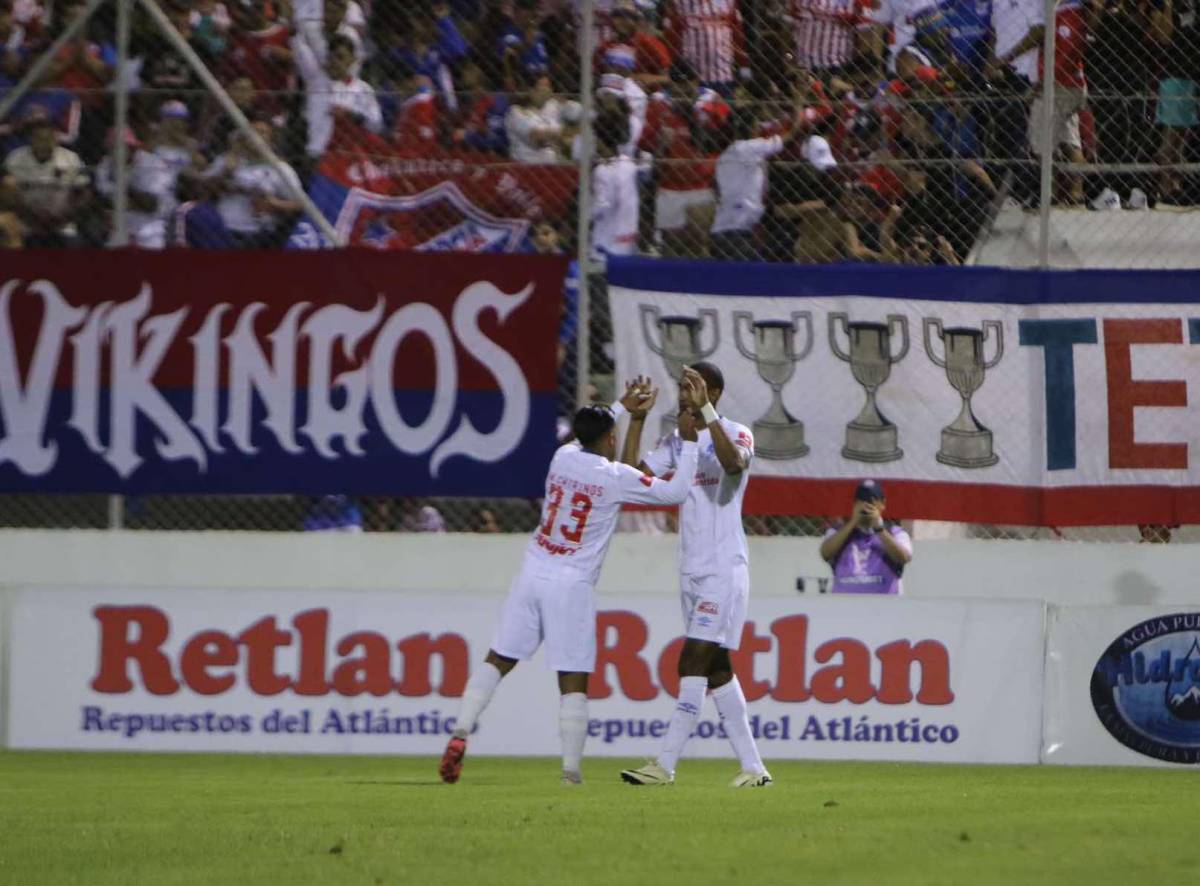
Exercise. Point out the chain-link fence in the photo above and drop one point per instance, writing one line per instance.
(770, 130)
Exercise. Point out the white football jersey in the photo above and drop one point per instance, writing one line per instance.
(584, 494)
(711, 537)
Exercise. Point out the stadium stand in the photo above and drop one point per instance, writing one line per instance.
(886, 132)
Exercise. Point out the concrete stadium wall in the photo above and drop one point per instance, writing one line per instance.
(1058, 572)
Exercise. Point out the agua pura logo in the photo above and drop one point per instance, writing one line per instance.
(1146, 688)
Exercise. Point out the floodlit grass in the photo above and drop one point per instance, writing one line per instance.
(124, 819)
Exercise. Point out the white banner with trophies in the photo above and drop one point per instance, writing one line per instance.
(987, 411)
(382, 673)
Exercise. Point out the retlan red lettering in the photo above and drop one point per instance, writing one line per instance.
(208, 649)
(211, 662)
(898, 658)
(417, 652)
(629, 633)
(369, 672)
(846, 674)
(118, 649)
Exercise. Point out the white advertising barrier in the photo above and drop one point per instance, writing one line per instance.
(1122, 686)
(374, 672)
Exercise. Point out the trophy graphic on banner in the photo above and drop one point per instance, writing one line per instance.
(678, 344)
(870, 436)
(965, 442)
(777, 434)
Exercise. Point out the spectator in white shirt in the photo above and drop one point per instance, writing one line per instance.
(334, 92)
(614, 190)
(534, 125)
(317, 22)
(175, 147)
(741, 188)
(151, 192)
(253, 197)
(616, 215)
(45, 184)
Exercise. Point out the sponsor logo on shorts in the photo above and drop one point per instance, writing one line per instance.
(704, 621)
(1146, 688)
(709, 607)
(646, 481)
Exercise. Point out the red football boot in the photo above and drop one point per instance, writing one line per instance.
(452, 760)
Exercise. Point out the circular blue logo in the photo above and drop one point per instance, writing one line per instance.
(1146, 688)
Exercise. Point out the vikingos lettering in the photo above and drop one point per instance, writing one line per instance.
(127, 343)
(212, 662)
(845, 673)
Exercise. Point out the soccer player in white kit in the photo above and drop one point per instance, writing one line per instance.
(552, 599)
(714, 576)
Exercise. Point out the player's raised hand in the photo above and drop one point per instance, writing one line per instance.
(687, 420)
(638, 398)
(695, 390)
(649, 397)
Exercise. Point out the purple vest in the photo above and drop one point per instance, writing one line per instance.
(862, 566)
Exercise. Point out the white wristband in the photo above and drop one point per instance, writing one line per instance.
(709, 414)
(617, 409)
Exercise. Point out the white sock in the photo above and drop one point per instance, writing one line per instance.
(683, 721)
(731, 705)
(572, 728)
(476, 697)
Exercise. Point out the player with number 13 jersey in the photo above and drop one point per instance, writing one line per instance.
(552, 600)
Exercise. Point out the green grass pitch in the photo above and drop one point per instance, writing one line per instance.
(122, 819)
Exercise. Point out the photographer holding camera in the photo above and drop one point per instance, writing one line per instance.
(866, 554)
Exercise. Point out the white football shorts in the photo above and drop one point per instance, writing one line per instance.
(714, 606)
(556, 610)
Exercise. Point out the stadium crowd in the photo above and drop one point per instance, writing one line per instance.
(810, 130)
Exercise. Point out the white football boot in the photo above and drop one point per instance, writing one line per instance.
(650, 774)
(751, 780)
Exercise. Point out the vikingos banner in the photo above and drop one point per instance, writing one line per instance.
(980, 395)
(381, 673)
(1123, 686)
(346, 372)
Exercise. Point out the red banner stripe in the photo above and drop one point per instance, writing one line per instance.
(982, 502)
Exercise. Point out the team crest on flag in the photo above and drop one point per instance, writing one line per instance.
(440, 219)
(378, 196)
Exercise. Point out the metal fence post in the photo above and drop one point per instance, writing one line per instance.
(1048, 142)
(116, 512)
(583, 338)
(120, 235)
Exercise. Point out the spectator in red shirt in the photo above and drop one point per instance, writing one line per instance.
(258, 49)
(710, 36)
(680, 131)
(84, 67)
(1070, 92)
(416, 130)
(651, 56)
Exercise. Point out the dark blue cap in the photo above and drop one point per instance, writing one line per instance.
(869, 490)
